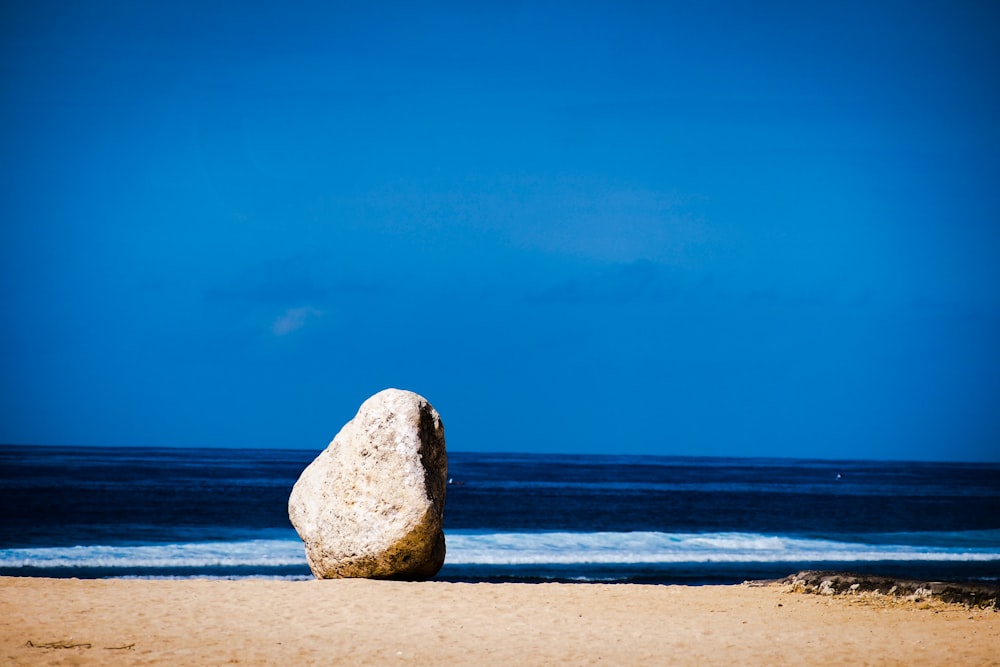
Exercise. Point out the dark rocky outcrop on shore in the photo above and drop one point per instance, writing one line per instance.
(979, 595)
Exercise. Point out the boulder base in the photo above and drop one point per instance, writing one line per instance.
(372, 503)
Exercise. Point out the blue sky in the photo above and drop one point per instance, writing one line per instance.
(750, 229)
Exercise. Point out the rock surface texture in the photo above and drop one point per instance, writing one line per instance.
(372, 503)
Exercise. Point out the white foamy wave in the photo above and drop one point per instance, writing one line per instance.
(652, 547)
(249, 553)
(217, 577)
(543, 548)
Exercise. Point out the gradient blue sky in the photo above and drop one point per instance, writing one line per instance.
(764, 229)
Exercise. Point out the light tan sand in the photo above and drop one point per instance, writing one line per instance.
(356, 622)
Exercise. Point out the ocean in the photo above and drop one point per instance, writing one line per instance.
(166, 513)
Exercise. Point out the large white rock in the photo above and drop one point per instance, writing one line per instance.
(372, 503)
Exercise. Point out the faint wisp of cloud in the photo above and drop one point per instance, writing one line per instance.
(294, 319)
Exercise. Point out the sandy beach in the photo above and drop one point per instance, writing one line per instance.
(363, 622)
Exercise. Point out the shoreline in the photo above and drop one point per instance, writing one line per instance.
(356, 621)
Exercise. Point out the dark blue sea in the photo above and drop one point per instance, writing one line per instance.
(138, 512)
